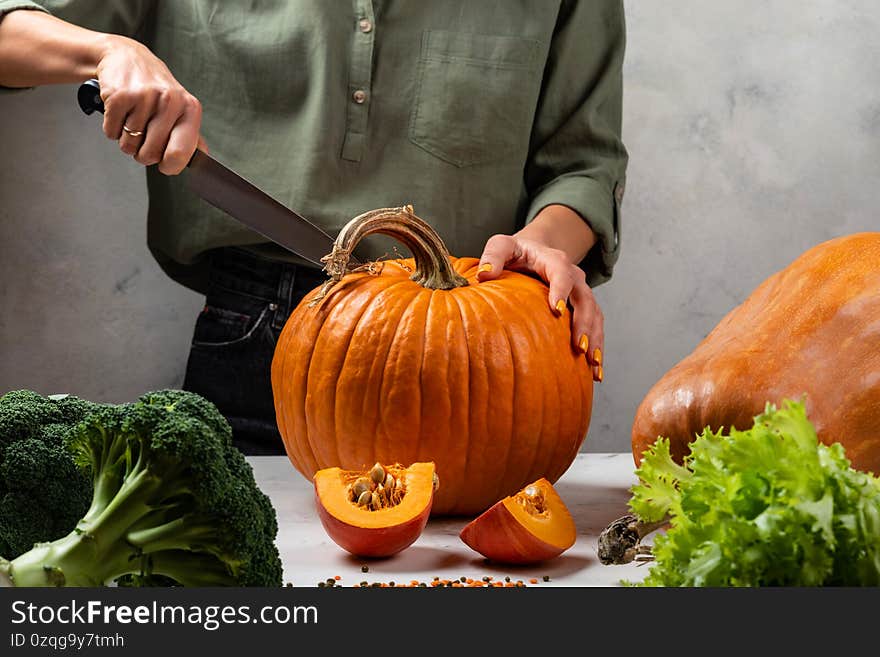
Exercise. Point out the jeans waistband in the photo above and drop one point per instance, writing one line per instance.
(280, 283)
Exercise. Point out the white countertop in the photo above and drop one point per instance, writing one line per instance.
(596, 489)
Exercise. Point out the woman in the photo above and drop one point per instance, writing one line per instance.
(500, 124)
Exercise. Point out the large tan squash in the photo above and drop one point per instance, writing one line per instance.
(412, 360)
(812, 331)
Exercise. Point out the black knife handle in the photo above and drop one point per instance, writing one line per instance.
(89, 97)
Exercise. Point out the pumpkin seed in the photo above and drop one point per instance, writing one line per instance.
(361, 485)
(389, 481)
(365, 498)
(377, 473)
(376, 500)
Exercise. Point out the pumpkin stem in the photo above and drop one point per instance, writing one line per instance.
(433, 267)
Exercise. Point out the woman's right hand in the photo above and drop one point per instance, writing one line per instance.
(150, 114)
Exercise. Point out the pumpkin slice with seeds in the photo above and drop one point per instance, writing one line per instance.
(376, 512)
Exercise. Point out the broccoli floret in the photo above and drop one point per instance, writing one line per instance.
(72, 409)
(25, 464)
(172, 499)
(16, 536)
(42, 491)
(22, 414)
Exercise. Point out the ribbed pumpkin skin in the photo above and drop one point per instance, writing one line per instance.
(482, 380)
(811, 329)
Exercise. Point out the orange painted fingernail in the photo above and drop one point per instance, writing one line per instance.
(584, 343)
(560, 306)
(486, 266)
(597, 356)
(599, 373)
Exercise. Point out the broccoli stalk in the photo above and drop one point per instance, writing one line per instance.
(171, 497)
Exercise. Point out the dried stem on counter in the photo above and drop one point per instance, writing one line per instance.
(620, 541)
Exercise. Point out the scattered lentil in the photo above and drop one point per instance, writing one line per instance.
(484, 582)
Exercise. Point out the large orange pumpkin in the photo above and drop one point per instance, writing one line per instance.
(810, 331)
(412, 360)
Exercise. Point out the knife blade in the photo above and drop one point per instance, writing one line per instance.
(239, 198)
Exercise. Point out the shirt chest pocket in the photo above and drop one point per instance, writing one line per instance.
(475, 96)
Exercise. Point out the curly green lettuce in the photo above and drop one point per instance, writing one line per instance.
(768, 506)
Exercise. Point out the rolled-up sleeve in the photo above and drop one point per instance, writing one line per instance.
(123, 17)
(113, 16)
(577, 157)
(11, 5)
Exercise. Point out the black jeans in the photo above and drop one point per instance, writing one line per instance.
(248, 301)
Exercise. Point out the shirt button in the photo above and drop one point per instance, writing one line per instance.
(359, 96)
(365, 24)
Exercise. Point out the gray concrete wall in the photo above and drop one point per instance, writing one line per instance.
(754, 133)
(83, 306)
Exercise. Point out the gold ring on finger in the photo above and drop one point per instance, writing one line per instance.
(133, 133)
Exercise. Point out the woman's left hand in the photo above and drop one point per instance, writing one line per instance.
(568, 287)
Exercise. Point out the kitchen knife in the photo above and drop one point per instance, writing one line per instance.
(224, 189)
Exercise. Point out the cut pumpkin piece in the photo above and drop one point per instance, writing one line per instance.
(376, 512)
(530, 526)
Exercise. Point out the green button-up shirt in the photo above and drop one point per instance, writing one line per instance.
(479, 114)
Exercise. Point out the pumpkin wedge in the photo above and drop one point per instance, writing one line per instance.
(531, 526)
(376, 512)
(413, 360)
(811, 332)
